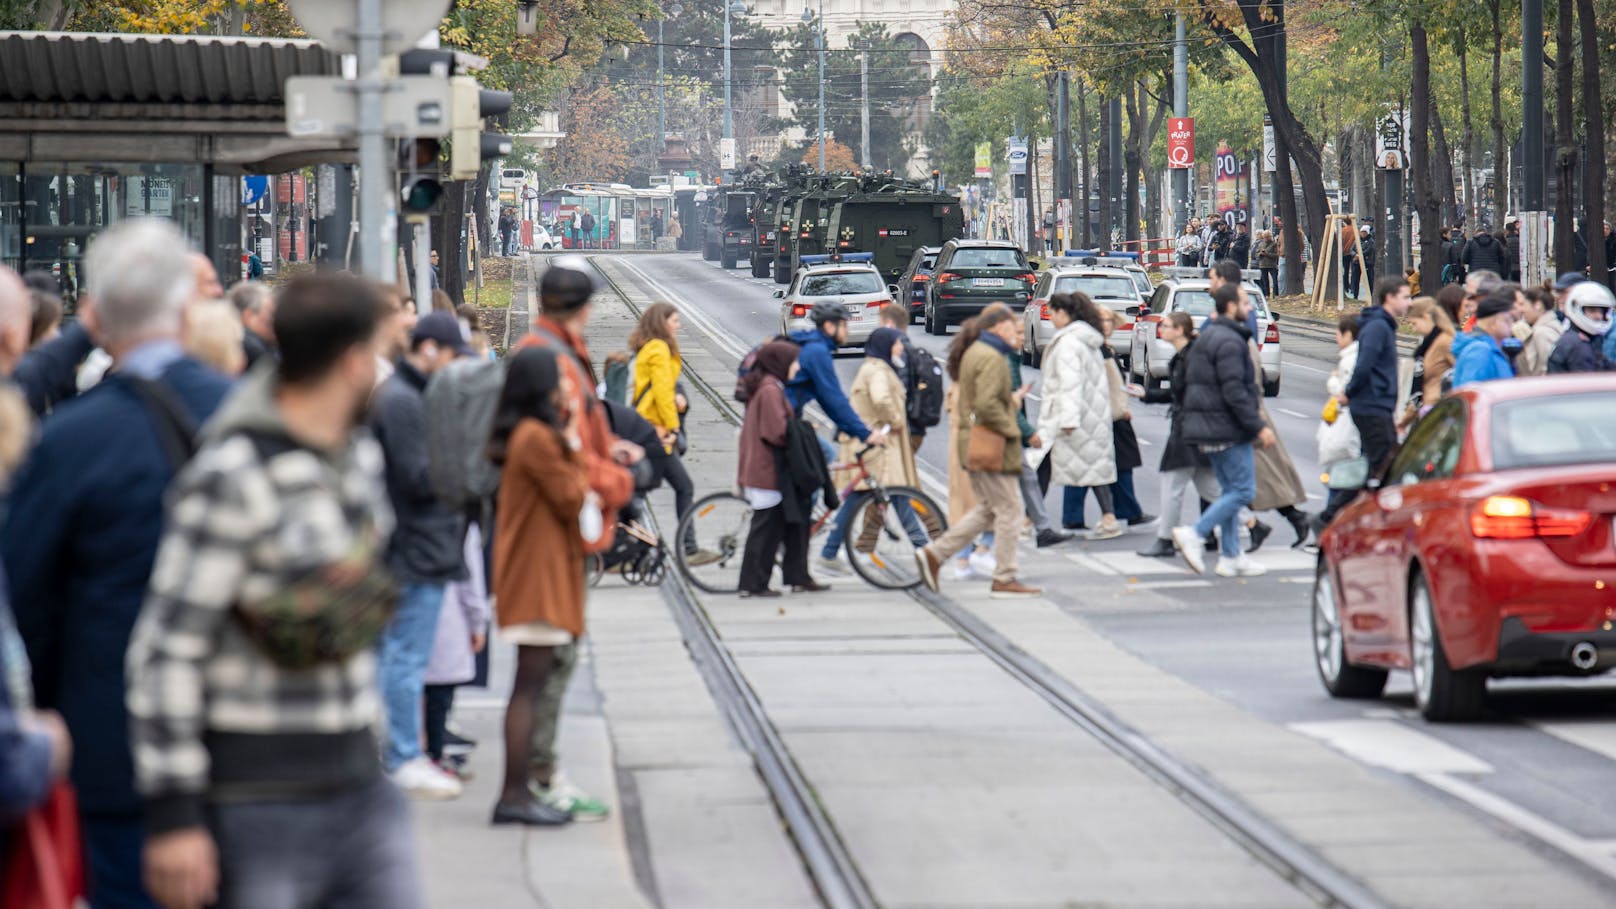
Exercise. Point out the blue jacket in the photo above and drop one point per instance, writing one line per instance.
(1478, 358)
(78, 544)
(1372, 390)
(1576, 352)
(48, 374)
(816, 381)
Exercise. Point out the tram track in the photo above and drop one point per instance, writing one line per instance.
(825, 855)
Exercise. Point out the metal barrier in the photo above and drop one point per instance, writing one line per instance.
(1154, 252)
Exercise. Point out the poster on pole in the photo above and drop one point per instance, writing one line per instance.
(984, 161)
(1270, 151)
(1018, 156)
(1181, 143)
(726, 154)
(1389, 148)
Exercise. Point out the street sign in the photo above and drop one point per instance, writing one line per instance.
(325, 107)
(1389, 148)
(334, 23)
(1018, 157)
(1270, 151)
(1181, 143)
(726, 154)
(253, 188)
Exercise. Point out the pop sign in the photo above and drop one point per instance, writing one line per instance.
(1180, 143)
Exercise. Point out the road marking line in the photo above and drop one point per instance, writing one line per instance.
(1167, 585)
(1393, 746)
(1091, 563)
(1598, 736)
(1596, 854)
(1292, 413)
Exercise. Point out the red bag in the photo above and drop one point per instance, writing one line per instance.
(46, 867)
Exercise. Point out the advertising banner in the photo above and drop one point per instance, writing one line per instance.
(1180, 143)
(984, 161)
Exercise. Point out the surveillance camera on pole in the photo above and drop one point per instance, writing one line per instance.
(470, 146)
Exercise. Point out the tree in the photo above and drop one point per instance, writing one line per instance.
(1593, 169)
(837, 156)
(896, 84)
(595, 148)
(1424, 170)
(187, 17)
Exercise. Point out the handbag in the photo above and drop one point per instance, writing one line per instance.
(46, 867)
(984, 450)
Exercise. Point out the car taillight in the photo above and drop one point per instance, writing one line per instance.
(1272, 337)
(1126, 326)
(920, 278)
(1515, 518)
(798, 310)
(876, 306)
(946, 277)
(1043, 310)
(1029, 279)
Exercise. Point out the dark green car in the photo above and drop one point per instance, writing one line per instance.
(972, 275)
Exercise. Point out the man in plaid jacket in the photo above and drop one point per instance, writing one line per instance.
(252, 735)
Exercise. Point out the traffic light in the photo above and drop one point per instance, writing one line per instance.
(419, 189)
(470, 146)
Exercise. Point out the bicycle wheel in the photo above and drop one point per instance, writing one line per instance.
(886, 530)
(716, 526)
(594, 569)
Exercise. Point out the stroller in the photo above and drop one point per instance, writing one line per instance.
(637, 552)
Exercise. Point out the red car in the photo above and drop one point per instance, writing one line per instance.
(1487, 548)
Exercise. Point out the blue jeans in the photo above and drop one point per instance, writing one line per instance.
(403, 652)
(1124, 502)
(1236, 470)
(353, 848)
(844, 517)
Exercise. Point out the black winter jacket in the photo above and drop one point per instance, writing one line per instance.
(803, 472)
(1485, 252)
(426, 547)
(1220, 399)
(1176, 455)
(1372, 387)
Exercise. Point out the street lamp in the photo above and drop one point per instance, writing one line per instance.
(819, 44)
(662, 81)
(737, 8)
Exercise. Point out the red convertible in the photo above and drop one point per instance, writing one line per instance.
(1486, 548)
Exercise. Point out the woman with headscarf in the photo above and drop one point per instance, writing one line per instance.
(544, 503)
(763, 435)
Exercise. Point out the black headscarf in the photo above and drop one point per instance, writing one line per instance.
(883, 341)
(775, 358)
(531, 379)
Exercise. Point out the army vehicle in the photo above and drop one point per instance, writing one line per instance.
(805, 222)
(775, 198)
(727, 225)
(892, 218)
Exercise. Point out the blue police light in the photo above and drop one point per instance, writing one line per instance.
(813, 260)
(1103, 255)
(827, 258)
(858, 257)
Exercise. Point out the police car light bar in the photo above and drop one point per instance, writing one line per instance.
(823, 259)
(1133, 256)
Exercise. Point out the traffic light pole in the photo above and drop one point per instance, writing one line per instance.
(1181, 108)
(421, 238)
(377, 230)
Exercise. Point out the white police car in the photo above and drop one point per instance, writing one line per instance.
(849, 280)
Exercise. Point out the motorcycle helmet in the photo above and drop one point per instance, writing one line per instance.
(1589, 305)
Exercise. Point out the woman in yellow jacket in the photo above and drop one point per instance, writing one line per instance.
(655, 342)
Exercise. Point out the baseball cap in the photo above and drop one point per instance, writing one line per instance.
(567, 283)
(1568, 280)
(442, 328)
(1495, 303)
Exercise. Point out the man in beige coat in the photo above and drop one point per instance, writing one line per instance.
(986, 400)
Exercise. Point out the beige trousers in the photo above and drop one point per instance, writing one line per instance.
(999, 506)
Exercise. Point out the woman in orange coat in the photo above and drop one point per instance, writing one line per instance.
(538, 552)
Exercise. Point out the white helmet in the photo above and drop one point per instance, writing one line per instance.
(1589, 305)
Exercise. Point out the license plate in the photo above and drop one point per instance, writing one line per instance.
(987, 282)
(857, 315)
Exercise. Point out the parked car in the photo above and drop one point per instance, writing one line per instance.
(972, 275)
(1151, 354)
(542, 238)
(1127, 261)
(849, 280)
(1111, 287)
(1486, 548)
(914, 280)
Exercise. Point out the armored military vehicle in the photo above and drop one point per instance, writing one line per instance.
(892, 218)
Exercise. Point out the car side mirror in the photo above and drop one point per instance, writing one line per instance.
(1035, 265)
(1273, 315)
(779, 295)
(1134, 312)
(893, 290)
(1350, 475)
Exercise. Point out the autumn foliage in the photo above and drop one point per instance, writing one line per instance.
(838, 157)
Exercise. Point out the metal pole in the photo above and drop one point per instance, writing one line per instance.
(1181, 108)
(1113, 177)
(729, 123)
(1532, 170)
(422, 240)
(661, 96)
(822, 42)
(864, 110)
(1063, 161)
(376, 224)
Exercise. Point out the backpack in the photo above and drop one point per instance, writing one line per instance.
(924, 408)
(460, 404)
(616, 380)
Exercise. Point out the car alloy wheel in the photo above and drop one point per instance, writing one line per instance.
(1442, 693)
(1341, 679)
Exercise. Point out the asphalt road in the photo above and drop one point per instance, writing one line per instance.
(1542, 763)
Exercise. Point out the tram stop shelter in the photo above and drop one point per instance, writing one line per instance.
(99, 127)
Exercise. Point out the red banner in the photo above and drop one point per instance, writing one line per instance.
(1180, 143)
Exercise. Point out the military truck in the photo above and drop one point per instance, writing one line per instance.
(805, 221)
(776, 196)
(892, 218)
(727, 227)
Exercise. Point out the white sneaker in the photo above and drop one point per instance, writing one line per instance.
(1240, 566)
(834, 567)
(963, 571)
(984, 564)
(1191, 547)
(422, 779)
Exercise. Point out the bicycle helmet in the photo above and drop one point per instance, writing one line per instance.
(1589, 305)
(568, 283)
(825, 311)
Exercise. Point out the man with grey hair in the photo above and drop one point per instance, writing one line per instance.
(256, 303)
(86, 514)
(1478, 284)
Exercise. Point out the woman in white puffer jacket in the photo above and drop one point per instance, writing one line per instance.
(1075, 415)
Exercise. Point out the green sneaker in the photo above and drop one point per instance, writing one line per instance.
(564, 796)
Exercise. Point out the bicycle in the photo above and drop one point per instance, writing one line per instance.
(885, 526)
